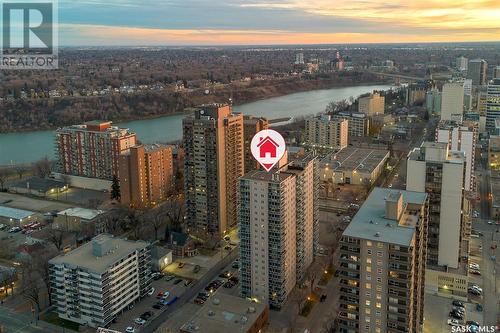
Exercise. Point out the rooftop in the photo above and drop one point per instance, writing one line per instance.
(267, 176)
(371, 223)
(359, 159)
(14, 213)
(39, 184)
(84, 256)
(224, 313)
(83, 213)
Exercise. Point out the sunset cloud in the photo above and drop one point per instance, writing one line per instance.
(204, 22)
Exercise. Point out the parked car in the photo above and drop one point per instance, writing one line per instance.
(151, 291)
(196, 269)
(165, 295)
(130, 329)
(458, 303)
(479, 307)
(199, 301)
(139, 321)
(456, 315)
(156, 275)
(475, 272)
(453, 322)
(234, 279)
(459, 309)
(322, 298)
(472, 322)
(227, 238)
(228, 285)
(188, 282)
(173, 300)
(235, 265)
(158, 306)
(2, 226)
(474, 265)
(475, 286)
(146, 315)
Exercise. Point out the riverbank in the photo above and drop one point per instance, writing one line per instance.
(39, 115)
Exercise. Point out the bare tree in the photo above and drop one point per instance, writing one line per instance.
(31, 288)
(4, 175)
(20, 170)
(56, 237)
(43, 167)
(42, 267)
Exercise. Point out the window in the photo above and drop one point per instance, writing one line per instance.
(369, 251)
(378, 305)
(368, 311)
(368, 286)
(379, 297)
(368, 302)
(379, 288)
(368, 260)
(379, 253)
(379, 270)
(367, 319)
(380, 245)
(379, 279)
(368, 243)
(368, 294)
(368, 268)
(368, 277)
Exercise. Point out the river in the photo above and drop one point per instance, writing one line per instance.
(27, 147)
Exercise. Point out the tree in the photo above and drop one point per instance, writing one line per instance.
(4, 174)
(20, 170)
(115, 189)
(56, 237)
(30, 287)
(43, 167)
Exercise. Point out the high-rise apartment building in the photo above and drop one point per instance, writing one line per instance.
(325, 132)
(452, 100)
(299, 59)
(372, 104)
(433, 101)
(477, 71)
(92, 150)
(434, 169)
(461, 137)
(146, 175)
(492, 105)
(496, 72)
(278, 229)
(213, 164)
(382, 264)
(358, 123)
(461, 64)
(95, 282)
(251, 126)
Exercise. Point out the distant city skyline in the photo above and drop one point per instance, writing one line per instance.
(261, 22)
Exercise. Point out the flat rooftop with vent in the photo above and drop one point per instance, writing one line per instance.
(388, 215)
(99, 254)
(226, 313)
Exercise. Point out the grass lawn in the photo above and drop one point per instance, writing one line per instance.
(53, 318)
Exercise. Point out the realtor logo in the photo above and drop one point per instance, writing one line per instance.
(29, 38)
(268, 147)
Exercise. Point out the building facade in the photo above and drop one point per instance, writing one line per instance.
(434, 169)
(92, 284)
(146, 175)
(433, 101)
(492, 105)
(477, 71)
(358, 123)
(92, 150)
(382, 264)
(452, 100)
(213, 163)
(251, 126)
(372, 104)
(278, 229)
(461, 64)
(325, 132)
(461, 137)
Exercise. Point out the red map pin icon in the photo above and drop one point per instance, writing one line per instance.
(268, 147)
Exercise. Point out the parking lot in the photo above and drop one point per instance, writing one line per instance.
(436, 312)
(146, 304)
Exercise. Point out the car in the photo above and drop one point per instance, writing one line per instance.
(453, 322)
(139, 321)
(130, 329)
(235, 265)
(458, 303)
(225, 275)
(475, 272)
(180, 264)
(146, 315)
(228, 285)
(158, 306)
(2, 226)
(459, 309)
(173, 300)
(472, 322)
(474, 265)
(475, 286)
(227, 238)
(165, 295)
(196, 268)
(456, 315)
(199, 301)
(188, 283)
(322, 298)
(234, 279)
(160, 294)
(177, 281)
(491, 222)
(151, 291)
(156, 275)
(479, 307)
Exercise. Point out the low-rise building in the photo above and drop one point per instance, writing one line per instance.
(74, 219)
(17, 217)
(225, 313)
(182, 245)
(37, 186)
(358, 166)
(95, 282)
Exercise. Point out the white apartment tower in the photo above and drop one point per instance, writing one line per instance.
(452, 101)
(492, 105)
(325, 132)
(461, 137)
(94, 283)
(434, 169)
(461, 64)
(278, 220)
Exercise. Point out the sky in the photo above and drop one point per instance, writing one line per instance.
(261, 22)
